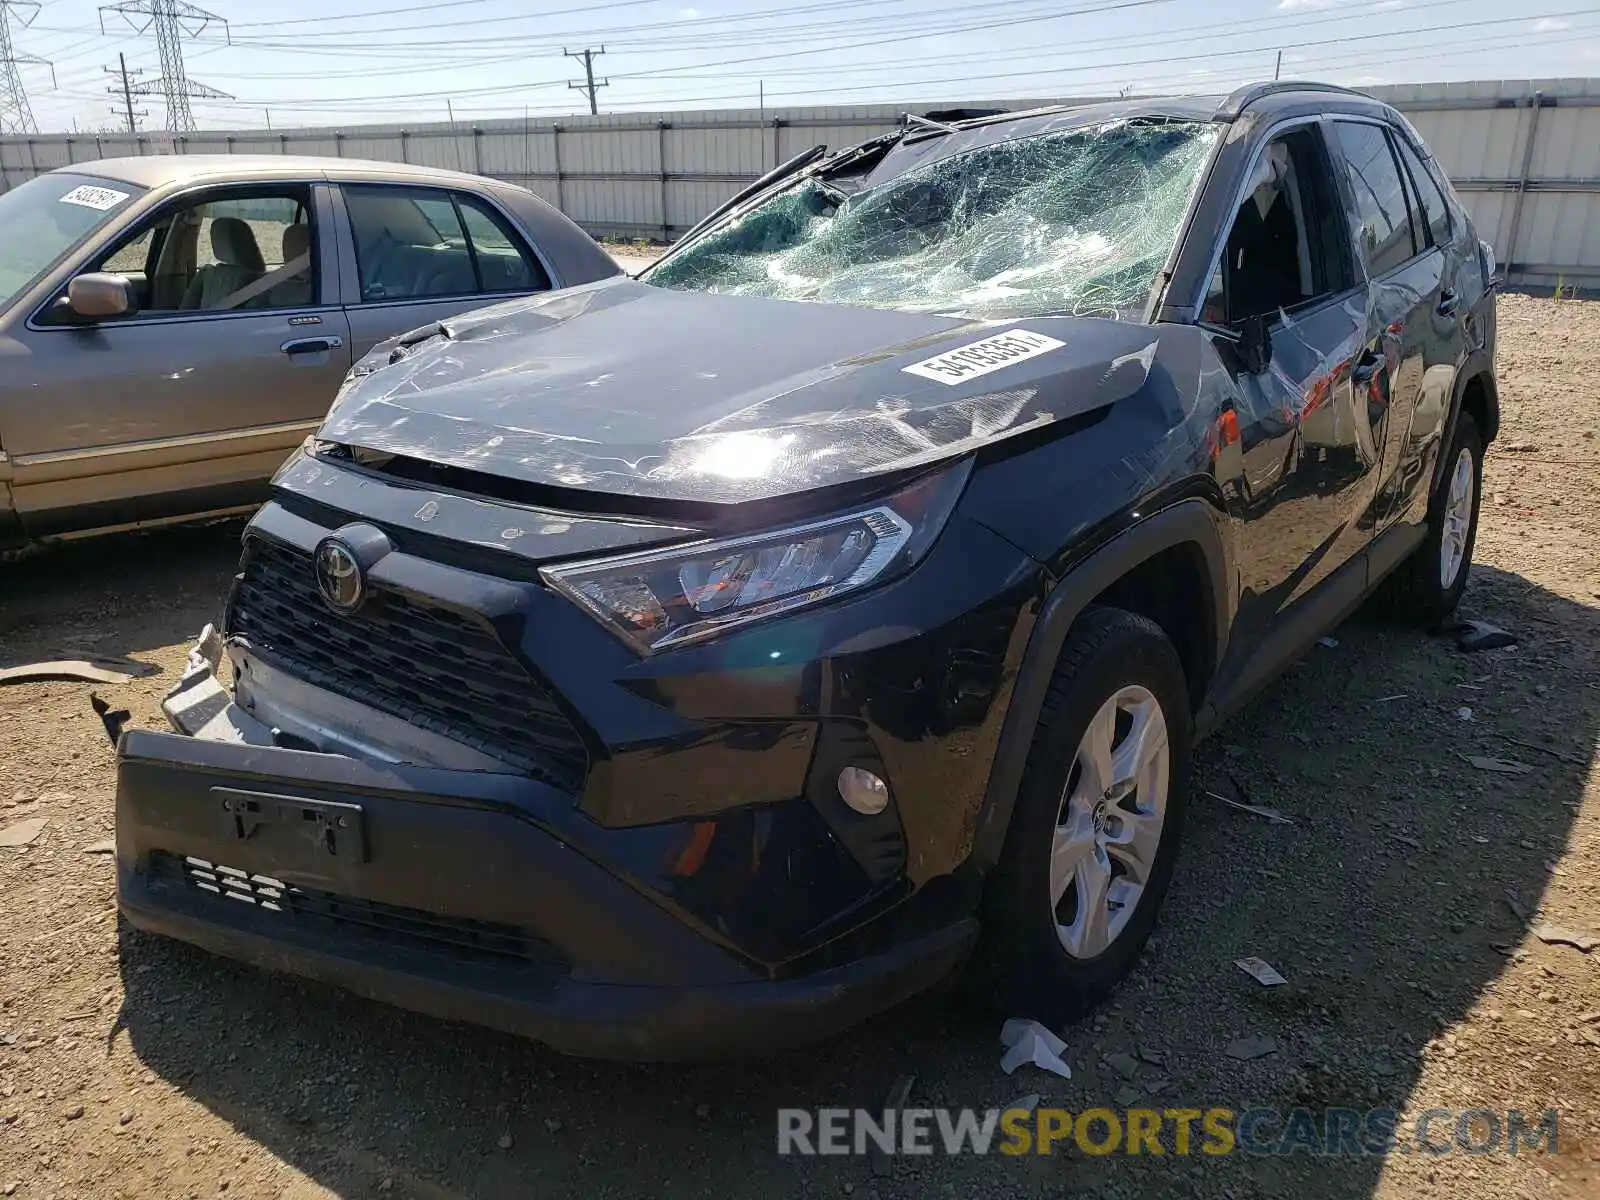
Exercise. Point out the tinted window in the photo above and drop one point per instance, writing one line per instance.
(413, 243)
(1385, 233)
(1284, 249)
(501, 260)
(1435, 212)
(234, 252)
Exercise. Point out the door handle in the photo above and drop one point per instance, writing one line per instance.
(311, 345)
(1366, 368)
(1449, 302)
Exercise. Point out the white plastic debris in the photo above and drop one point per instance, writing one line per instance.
(1260, 970)
(1328, 643)
(1030, 1042)
(1464, 713)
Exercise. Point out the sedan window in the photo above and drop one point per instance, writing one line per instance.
(1078, 221)
(48, 216)
(423, 242)
(231, 252)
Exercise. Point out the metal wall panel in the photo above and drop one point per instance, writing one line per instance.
(623, 173)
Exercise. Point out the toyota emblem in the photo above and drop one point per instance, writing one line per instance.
(339, 577)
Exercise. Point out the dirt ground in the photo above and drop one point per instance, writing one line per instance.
(1402, 903)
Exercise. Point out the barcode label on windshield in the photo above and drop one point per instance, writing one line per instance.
(980, 358)
(101, 199)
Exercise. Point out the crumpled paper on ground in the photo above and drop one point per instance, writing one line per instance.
(1030, 1042)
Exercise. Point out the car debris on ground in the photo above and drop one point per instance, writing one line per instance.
(1261, 971)
(1028, 1042)
(106, 670)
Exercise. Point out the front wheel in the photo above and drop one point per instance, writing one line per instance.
(1092, 840)
(1428, 585)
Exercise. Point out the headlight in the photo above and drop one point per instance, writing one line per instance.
(664, 598)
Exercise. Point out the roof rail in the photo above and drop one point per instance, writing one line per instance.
(1244, 97)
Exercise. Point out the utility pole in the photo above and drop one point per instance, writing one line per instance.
(1278, 70)
(590, 85)
(127, 92)
(172, 20)
(16, 116)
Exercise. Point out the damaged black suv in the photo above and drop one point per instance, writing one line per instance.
(676, 666)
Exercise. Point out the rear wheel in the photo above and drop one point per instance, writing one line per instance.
(1428, 585)
(1092, 840)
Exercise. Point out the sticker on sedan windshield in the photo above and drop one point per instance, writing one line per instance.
(980, 358)
(101, 199)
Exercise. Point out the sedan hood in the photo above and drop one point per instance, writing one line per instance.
(633, 390)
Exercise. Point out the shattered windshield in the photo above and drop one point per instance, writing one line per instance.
(1078, 221)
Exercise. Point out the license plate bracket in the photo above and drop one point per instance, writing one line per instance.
(320, 829)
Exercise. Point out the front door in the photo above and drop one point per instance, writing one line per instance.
(1289, 312)
(423, 254)
(189, 404)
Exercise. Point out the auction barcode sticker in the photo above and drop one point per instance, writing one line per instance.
(982, 357)
(102, 199)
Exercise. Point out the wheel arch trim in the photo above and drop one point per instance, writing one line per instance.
(1191, 520)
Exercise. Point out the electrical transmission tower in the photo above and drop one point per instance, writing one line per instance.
(589, 83)
(15, 114)
(172, 20)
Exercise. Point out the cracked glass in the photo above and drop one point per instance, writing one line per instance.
(1078, 221)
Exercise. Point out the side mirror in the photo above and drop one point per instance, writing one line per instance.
(98, 295)
(1255, 344)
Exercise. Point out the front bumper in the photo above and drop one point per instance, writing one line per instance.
(455, 894)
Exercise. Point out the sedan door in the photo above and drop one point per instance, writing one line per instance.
(411, 256)
(189, 404)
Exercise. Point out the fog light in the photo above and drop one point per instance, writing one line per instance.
(863, 791)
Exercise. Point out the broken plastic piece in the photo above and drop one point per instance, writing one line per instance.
(1030, 1042)
(112, 718)
(1260, 970)
(1257, 1045)
(1480, 635)
(1554, 935)
(104, 670)
(1259, 810)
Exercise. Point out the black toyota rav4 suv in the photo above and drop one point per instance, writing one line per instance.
(682, 665)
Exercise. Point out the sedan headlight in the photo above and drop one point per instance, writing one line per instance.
(664, 598)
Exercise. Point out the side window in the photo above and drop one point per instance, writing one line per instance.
(243, 251)
(1285, 248)
(502, 262)
(413, 243)
(1435, 211)
(1385, 235)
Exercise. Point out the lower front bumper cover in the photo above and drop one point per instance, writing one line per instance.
(625, 977)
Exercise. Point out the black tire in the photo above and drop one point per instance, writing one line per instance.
(1417, 590)
(1023, 967)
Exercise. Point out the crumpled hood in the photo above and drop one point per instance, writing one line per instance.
(634, 390)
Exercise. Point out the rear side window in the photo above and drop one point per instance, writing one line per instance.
(1435, 212)
(1385, 235)
(417, 243)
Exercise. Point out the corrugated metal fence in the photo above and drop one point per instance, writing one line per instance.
(1525, 156)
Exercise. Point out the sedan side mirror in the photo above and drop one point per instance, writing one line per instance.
(98, 295)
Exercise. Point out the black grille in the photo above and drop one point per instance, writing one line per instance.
(486, 942)
(432, 666)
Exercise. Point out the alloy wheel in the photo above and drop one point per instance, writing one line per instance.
(1457, 520)
(1109, 827)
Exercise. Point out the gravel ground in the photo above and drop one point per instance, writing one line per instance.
(1401, 904)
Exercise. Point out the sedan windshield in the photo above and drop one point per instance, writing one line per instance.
(46, 217)
(1077, 222)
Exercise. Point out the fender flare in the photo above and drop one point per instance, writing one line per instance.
(1476, 366)
(1190, 520)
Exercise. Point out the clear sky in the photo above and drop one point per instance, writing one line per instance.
(295, 63)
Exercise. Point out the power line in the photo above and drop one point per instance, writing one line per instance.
(127, 93)
(16, 115)
(171, 19)
(589, 85)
